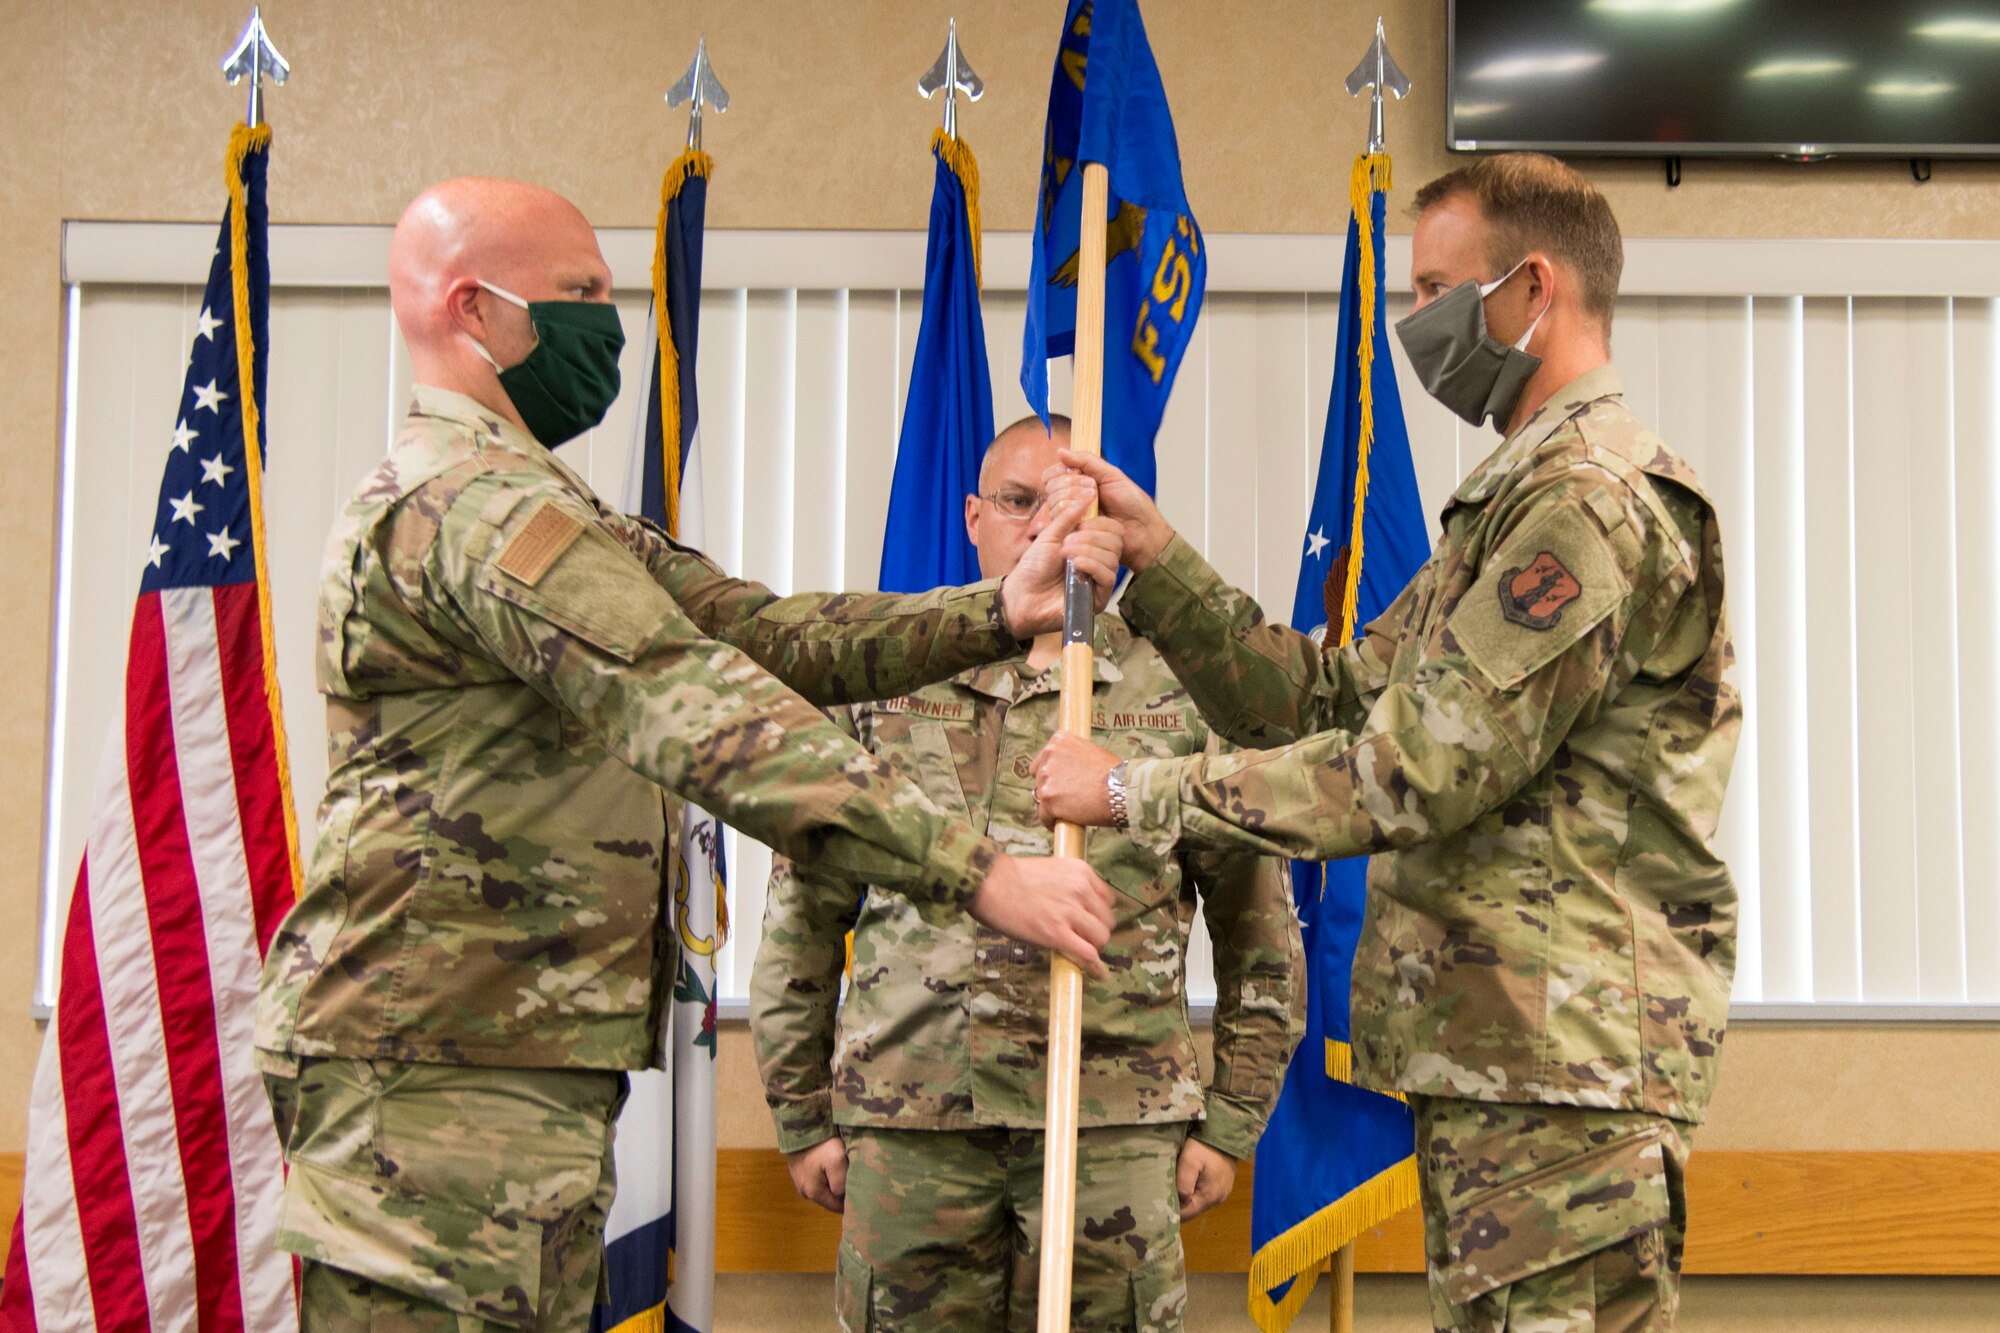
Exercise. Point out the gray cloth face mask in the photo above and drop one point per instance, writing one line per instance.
(1459, 363)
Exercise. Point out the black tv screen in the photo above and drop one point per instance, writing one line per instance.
(1674, 78)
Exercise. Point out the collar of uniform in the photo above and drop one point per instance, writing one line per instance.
(1010, 679)
(1565, 403)
(449, 405)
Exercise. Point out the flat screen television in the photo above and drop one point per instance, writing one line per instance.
(1709, 78)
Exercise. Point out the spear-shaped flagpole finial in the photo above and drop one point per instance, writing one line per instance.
(700, 89)
(254, 56)
(952, 72)
(1378, 70)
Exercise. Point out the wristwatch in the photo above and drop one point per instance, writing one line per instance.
(1114, 786)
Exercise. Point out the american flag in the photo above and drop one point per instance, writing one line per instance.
(153, 1174)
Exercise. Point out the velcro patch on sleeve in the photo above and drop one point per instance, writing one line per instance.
(1540, 593)
(531, 552)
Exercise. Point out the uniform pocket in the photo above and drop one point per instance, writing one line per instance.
(854, 1292)
(1556, 1215)
(466, 1261)
(1159, 1295)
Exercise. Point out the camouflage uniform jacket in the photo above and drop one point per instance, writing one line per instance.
(1537, 733)
(945, 1024)
(513, 674)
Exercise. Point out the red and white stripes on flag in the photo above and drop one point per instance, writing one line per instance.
(153, 1179)
(154, 1175)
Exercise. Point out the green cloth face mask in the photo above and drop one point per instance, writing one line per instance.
(567, 383)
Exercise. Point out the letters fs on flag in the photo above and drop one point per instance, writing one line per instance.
(948, 414)
(1337, 1159)
(153, 1174)
(660, 1235)
(1106, 104)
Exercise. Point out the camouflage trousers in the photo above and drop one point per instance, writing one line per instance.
(942, 1231)
(1551, 1219)
(442, 1199)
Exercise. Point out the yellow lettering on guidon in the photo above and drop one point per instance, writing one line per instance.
(1173, 283)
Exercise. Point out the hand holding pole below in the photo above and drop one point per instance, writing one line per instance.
(1056, 903)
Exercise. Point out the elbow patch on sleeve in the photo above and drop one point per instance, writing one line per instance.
(567, 571)
(1537, 596)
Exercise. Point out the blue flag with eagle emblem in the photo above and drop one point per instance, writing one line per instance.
(1106, 104)
(1336, 1159)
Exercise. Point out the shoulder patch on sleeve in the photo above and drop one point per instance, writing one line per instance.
(541, 541)
(1533, 595)
(1538, 595)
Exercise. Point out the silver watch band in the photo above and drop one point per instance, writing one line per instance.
(1114, 784)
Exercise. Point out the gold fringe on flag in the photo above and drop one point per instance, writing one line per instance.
(1371, 173)
(957, 155)
(653, 1320)
(1340, 1068)
(691, 163)
(1299, 1252)
(243, 141)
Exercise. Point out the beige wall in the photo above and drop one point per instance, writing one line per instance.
(1784, 1088)
(113, 110)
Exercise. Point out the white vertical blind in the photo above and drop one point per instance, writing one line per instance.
(1976, 492)
(1851, 444)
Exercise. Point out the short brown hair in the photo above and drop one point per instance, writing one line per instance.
(1533, 202)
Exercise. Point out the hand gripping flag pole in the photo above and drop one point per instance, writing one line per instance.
(1065, 981)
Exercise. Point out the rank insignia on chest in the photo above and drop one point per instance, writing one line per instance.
(1533, 595)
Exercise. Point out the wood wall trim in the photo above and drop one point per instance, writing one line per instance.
(1766, 1213)
(1815, 1214)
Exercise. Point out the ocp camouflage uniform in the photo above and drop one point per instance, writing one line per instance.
(936, 1077)
(1537, 733)
(513, 674)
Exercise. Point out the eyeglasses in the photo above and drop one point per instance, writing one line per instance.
(1020, 506)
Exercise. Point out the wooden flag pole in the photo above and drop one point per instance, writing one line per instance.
(1065, 981)
(1340, 1291)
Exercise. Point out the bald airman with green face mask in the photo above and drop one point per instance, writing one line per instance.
(522, 685)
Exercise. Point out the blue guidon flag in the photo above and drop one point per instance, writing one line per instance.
(1337, 1159)
(1106, 104)
(948, 415)
(659, 1251)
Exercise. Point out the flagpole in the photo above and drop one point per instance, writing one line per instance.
(1065, 982)
(1377, 73)
(255, 58)
(951, 73)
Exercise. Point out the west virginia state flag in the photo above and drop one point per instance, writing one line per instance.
(1106, 104)
(1336, 1159)
(948, 415)
(659, 1255)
